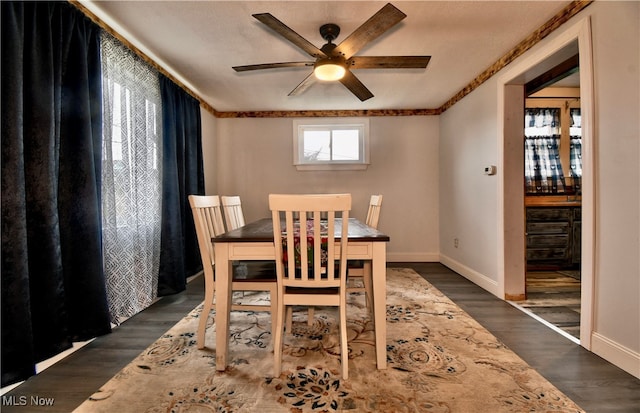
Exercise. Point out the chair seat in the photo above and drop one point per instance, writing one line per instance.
(323, 274)
(311, 290)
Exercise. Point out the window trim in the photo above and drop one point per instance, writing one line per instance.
(301, 165)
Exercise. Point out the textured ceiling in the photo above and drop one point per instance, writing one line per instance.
(199, 41)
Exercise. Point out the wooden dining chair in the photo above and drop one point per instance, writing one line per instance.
(234, 218)
(207, 216)
(232, 208)
(359, 272)
(310, 267)
(373, 213)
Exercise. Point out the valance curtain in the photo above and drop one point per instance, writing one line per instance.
(183, 174)
(53, 287)
(543, 170)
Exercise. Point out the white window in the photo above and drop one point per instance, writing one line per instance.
(331, 144)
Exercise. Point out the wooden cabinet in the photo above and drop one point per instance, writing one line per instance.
(576, 245)
(553, 236)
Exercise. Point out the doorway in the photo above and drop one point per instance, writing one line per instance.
(573, 41)
(552, 179)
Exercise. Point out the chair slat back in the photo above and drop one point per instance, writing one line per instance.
(373, 214)
(207, 216)
(309, 239)
(233, 215)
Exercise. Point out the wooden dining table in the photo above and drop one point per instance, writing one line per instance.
(254, 241)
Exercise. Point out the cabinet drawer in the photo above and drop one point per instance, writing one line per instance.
(548, 227)
(547, 241)
(541, 254)
(548, 214)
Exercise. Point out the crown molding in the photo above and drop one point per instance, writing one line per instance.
(547, 28)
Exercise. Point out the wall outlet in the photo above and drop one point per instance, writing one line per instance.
(456, 242)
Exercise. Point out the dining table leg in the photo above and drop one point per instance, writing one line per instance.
(379, 276)
(223, 287)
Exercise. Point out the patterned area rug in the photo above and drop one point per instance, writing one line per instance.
(439, 360)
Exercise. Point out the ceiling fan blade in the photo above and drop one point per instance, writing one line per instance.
(304, 85)
(383, 20)
(286, 32)
(355, 86)
(388, 62)
(271, 66)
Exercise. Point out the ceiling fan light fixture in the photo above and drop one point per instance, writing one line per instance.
(329, 70)
(336, 61)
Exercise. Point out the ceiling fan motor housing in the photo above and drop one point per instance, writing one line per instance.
(329, 31)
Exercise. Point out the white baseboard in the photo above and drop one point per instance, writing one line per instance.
(475, 277)
(626, 359)
(413, 257)
(613, 352)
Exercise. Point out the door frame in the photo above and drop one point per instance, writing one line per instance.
(511, 239)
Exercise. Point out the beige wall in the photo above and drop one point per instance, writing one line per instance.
(254, 157)
(468, 199)
(616, 48)
(209, 151)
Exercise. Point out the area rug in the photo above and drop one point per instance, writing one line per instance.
(440, 360)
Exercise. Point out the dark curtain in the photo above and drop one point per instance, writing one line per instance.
(182, 175)
(53, 290)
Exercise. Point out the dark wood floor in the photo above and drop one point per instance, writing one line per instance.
(554, 296)
(596, 385)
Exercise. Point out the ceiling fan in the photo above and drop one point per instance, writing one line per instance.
(335, 62)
